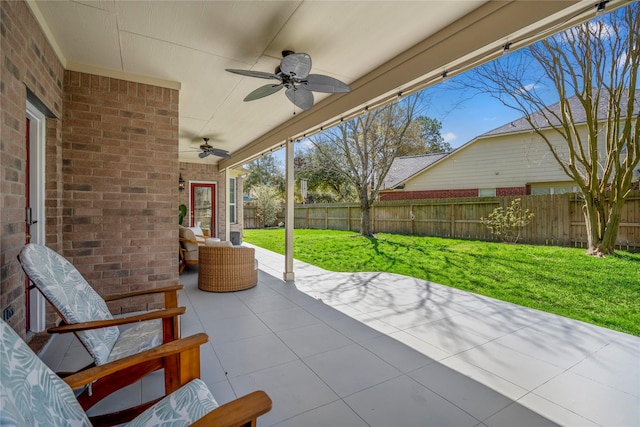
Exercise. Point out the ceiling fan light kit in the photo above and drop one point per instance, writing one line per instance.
(293, 74)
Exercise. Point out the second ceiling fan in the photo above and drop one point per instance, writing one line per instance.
(293, 74)
(207, 150)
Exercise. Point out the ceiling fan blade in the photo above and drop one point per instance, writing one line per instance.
(325, 84)
(301, 98)
(263, 91)
(297, 65)
(203, 154)
(219, 152)
(250, 73)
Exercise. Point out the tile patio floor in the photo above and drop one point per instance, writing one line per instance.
(378, 349)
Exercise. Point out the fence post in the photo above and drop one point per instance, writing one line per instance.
(453, 219)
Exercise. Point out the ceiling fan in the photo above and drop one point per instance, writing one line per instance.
(207, 150)
(293, 74)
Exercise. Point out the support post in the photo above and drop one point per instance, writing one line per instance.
(289, 213)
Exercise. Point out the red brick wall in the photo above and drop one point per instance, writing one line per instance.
(120, 175)
(27, 61)
(513, 191)
(428, 194)
(446, 194)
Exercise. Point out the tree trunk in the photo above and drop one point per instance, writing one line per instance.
(366, 228)
(603, 221)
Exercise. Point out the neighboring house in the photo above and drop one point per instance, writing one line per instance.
(509, 160)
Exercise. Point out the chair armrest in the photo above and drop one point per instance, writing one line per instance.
(183, 239)
(97, 324)
(184, 346)
(239, 412)
(166, 289)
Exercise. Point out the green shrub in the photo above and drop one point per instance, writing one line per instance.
(508, 223)
(267, 202)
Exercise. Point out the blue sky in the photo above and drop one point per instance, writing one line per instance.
(464, 119)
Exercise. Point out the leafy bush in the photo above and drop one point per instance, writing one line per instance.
(267, 202)
(508, 223)
(182, 213)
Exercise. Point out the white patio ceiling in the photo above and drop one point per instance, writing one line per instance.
(380, 48)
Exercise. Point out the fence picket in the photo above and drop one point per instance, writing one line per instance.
(558, 219)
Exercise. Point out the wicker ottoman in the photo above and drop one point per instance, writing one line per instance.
(226, 269)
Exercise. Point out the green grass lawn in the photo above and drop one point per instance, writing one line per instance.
(565, 281)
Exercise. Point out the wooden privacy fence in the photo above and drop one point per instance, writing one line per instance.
(558, 219)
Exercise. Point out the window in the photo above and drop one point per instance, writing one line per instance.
(554, 189)
(487, 192)
(232, 200)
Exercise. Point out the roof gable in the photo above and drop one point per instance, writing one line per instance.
(579, 115)
(405, 167)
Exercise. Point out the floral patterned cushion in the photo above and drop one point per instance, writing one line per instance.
(181, 408)
(30, 393)
(65, 288)
(143, 336)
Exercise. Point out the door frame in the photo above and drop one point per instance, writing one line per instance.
(214, 202)
(36, 199)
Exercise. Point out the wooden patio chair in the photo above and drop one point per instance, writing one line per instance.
(188, 246)
(33, 395)
(85, 313)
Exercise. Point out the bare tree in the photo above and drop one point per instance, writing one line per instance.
(592, 70)
(362, 150)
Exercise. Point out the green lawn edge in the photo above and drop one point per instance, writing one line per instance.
(563, 281)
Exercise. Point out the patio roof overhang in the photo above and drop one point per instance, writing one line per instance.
(379, 48)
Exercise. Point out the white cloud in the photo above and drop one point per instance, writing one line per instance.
(600, 29)
(449, 136)
(621, 60)
(526, 88)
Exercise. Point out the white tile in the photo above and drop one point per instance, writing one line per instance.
(313, 339)
(410, 317)
(350, 369)
(323, 311)
(553, 412)
(211, 370)
(212, 307)
(352, 329)
(235, 328)
(601, 404)
(466, 393)
(123, 398)
(222, 391)
(292, 387)
(266, 303)
(482, 376)
(420, 346)
(252, 354)
(331, 415)
(617, 365)
(518, 368)
(563, 346)
(54, 351)
(404, 402)
(371, 320)
(447, 335)
(482, 323)
(396, 353)
(152, 386)
(518, 415)
(289, 318)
